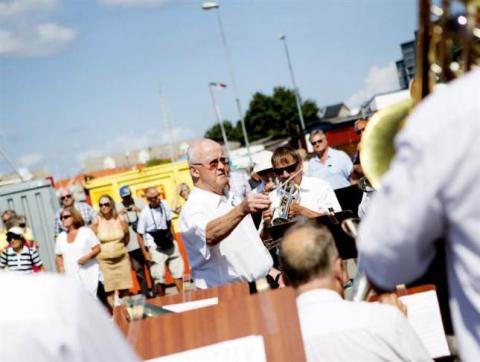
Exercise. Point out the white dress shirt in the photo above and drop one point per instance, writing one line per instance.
(433, 189)
(337, 330)
(315, 194)
(64, 323)
(241, 256)
(151, 220)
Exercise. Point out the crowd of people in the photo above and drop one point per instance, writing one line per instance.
(224, 243)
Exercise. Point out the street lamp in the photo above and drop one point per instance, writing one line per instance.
(211, 5)
(218, 114)
(283, 37)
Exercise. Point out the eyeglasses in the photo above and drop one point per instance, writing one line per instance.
(153, 198)
(65, 197)
(317, 142)
(65, 217)
(213, 164)
(290, 168)
(107, 204)
(359, 131)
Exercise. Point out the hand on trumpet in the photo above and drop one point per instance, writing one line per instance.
(255, 202)
(267, 216)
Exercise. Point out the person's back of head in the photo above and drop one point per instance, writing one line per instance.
(309, 257)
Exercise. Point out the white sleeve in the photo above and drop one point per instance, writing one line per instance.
(59, 244)
(141, 225)
(193, 227)
(168, 212)
(348, 165)
(91, 238)
(328, 197)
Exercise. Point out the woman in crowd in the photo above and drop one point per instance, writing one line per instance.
(183, 191)
(112, 231)
(76, 250)
(18, 256)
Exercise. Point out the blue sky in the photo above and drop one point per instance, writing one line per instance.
(82, 78)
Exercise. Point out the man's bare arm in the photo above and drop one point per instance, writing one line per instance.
(219, 228)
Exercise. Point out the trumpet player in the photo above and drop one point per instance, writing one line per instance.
(313, 196)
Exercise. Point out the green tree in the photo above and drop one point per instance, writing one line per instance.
(272, 116)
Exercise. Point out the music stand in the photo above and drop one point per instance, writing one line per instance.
(346, 246)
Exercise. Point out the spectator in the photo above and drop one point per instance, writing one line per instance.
(130, 208)
(182, 193)
(334, 329)
(21, 222)
(76, 251)
(18, 256)
(329, 164)
(67, 202)
(112, 231)
(157, 241)
(7, 221)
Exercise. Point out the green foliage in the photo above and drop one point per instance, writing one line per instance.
(273, 116)
(156, 161)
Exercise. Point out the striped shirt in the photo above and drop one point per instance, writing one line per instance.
(22, 261)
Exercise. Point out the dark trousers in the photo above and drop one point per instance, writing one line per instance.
(139, 264)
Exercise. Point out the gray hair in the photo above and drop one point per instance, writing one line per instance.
(197, 148)
(315, 133)
(307, 251)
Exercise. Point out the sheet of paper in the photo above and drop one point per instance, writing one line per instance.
(196, 304)
(424, 315)
(245, 349)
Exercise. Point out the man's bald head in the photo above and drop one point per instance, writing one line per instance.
(197, 150)
(307, 252)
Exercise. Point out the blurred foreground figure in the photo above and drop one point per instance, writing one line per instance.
(64, 324)
(334, 329)
(431, 190)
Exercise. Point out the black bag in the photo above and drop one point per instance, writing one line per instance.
(163, 238)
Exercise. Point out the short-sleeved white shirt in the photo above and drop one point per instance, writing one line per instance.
(151, 220)
(241, 256)
(315, 194)
(87, 274)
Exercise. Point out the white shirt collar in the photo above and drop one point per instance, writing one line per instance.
(209, 197)
(318, 296)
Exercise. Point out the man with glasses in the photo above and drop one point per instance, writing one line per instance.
(67, 202)
(222, 242)
(329, 164)
(157, 241)
(315, 197)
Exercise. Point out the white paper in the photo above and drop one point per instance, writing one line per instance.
(196, 304)
(423, 313)
(245, 349)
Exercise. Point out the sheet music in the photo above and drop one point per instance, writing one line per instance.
(424, 315)
(245, 349)
(183, 307)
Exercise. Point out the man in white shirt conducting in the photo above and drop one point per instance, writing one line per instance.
(222, 242)
(314, 197)
(334, 329)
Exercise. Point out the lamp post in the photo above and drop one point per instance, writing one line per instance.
(218, 114)
(283, 37)
(212, 5)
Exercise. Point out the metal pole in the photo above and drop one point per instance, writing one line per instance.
(169, 127)
(295, 89)
(219, 120)
(234, 84)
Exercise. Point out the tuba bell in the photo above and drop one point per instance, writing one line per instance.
(448, 45)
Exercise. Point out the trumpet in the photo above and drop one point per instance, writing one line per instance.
(289, 193)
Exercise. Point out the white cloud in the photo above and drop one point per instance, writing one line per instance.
(132, 3)
(41, 40)
(10, 9)
(31, 159)
(378, 80)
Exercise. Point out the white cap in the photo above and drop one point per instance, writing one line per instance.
(262, 161)
(17, 231)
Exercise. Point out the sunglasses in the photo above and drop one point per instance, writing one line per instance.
(359, 131)
(11, 236)
(213, 164)
(317, 142)
(290, 168)
(23, 225)
(65, 197)
(107, 204)
(153, 198)
(65, 217)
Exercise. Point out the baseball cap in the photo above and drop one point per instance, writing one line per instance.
(124, 191)
(262, 160)
(15, 232)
